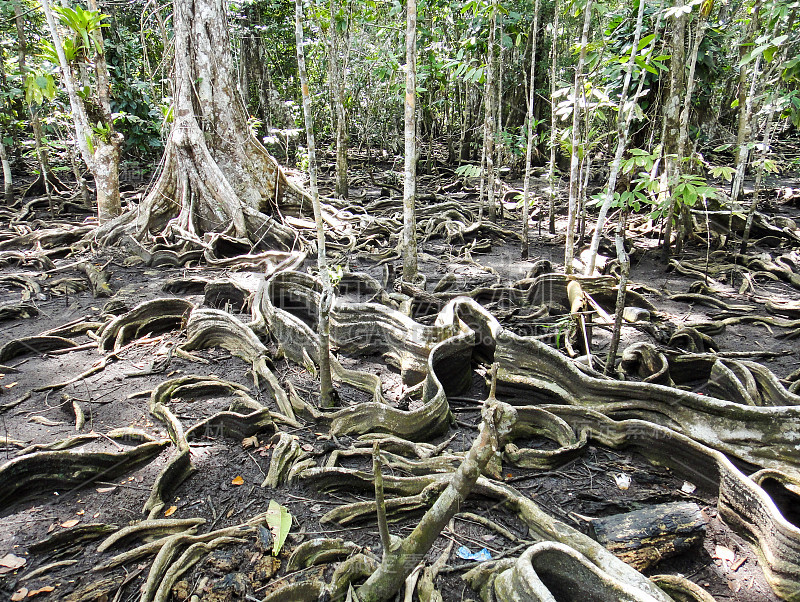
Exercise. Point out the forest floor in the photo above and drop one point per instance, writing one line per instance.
(227, 487)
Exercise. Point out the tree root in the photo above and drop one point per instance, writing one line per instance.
(153, 316)
(149, 528)
(39, 472)
(35, 344)
(320, 551)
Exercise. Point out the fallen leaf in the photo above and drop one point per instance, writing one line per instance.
(724, 554)
(237, 481)
(170, 511)
(307, 447)
(42, 590)
(11, 385)
(70, 523)
(19, 594)
(688, 487)
(11, 562)
(623, 481)
(250, 442)
(81, 512)
(44, 421)
(315, 508)
(105, 489)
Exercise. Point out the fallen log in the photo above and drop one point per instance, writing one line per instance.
(644, 537)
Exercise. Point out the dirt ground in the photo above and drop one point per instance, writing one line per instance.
(226, 489)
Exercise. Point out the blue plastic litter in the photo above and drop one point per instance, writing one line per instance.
(481, 556)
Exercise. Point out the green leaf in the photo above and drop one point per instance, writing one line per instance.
(645, 66)
(279, 521)
(645, 41)
(722, 147)
(750, 56)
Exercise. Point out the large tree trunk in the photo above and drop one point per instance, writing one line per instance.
(217, 177)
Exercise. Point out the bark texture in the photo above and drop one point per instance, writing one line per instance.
(217, 177)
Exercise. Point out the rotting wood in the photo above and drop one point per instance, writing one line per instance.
(643, 538)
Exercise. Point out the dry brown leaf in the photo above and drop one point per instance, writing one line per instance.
(19, 594)
(170, 511)
(237, 481)
(42, 590)
(70, 523)
(250, 442)
(105, 489)
(307, 447)
(11, 385)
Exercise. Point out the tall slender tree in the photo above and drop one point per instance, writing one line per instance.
(531, 131)
(335, 44)
(410, 177)
(551, 169)
(624, 116)
(327, 396)
(489, 122)
(574, 176)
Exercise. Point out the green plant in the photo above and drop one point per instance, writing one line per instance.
(468, 170)
(335, 274)
(86, 25)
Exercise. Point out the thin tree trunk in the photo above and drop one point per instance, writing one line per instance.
(489, 117)
(759, 178)
(625, 268)
(41, 155)
(410, 180)
(569, 250)
(327, 396)
(499, 108)
(672, 119)
(551, 172)
(745, 109)
(337, 99)
(529, 150)
(624, 116)
(8, 181)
